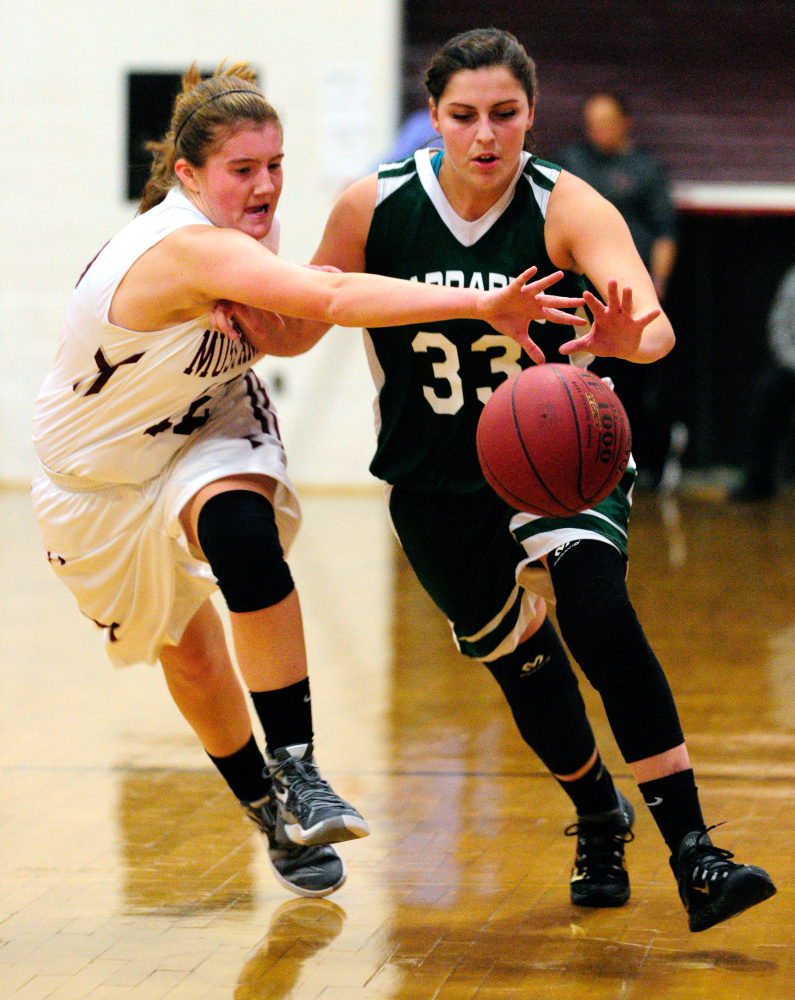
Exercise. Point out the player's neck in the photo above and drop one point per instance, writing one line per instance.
(469, 201)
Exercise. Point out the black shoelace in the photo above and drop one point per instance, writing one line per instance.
(308, 786)
(598, 851)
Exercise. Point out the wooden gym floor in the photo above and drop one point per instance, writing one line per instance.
(127, 872)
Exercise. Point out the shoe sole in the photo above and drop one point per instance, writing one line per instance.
(330, 831)
(310, 893)
(744, 890)
(597, 901)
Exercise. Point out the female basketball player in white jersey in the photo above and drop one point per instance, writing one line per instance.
(162, 472)
(469, 216)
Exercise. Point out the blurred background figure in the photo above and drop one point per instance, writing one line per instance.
(773, 402)
(415, 132)
(635, 182)
(416, 129)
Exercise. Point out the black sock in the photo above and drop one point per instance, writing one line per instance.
(285, 714)
(243, 772)
(673, 802)
(594, 792)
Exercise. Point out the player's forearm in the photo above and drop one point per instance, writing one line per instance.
(372, 300)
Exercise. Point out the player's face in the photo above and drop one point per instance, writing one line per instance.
(239, 185)
(483, 116)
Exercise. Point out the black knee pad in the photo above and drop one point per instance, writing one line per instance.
(594, 612)
(602, 631)
(238, 535)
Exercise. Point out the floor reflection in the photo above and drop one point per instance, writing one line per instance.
(183, 849)
(128, 871)
(480, 887)
(299, 930)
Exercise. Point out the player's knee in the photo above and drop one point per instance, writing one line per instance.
(596, 617)
(539, 663)
(238, 535)
(197, 672)
(590, 626)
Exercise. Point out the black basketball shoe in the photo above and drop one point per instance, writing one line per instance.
(712, 887)
(599, 876)
(307, 871)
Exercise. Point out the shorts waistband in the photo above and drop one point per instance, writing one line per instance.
(76, 484)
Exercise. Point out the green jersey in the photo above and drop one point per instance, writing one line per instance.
(434, 378)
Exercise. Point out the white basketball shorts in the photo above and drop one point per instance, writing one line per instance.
(121, 549)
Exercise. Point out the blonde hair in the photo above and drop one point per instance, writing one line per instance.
(205, 114)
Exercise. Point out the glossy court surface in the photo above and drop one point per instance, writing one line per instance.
(128, 873)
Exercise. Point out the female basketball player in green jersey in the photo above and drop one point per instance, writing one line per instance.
(473, 216)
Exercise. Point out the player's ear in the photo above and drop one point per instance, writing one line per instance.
(187, 174)
(531, 116)
(434, 113)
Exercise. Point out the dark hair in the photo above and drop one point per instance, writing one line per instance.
(205, 114)
(479, 49)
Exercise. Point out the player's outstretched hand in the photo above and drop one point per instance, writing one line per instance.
(511, 309)
(615, 332)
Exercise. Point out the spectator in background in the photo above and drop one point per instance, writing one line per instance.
(773, 400)
(635, 183)
(415, 132)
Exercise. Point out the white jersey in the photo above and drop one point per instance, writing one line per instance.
(128, 427)
(118, 404)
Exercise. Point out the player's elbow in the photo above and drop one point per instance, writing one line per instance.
(668, 338)
(343, 304)
(662, 339)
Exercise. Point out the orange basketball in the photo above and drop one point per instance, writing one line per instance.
(553, 440)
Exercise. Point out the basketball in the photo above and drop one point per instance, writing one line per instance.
(553, 440)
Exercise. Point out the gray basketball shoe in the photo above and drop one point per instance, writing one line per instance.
(306, 870)
(310, 811)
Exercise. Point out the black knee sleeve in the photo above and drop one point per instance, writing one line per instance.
(602, 631)
(238, 535)
(542, 691)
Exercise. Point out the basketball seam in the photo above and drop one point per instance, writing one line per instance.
(485, 464)
(530, 462)
(576, 423)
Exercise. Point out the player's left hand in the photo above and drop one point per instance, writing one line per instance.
(615, 332)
